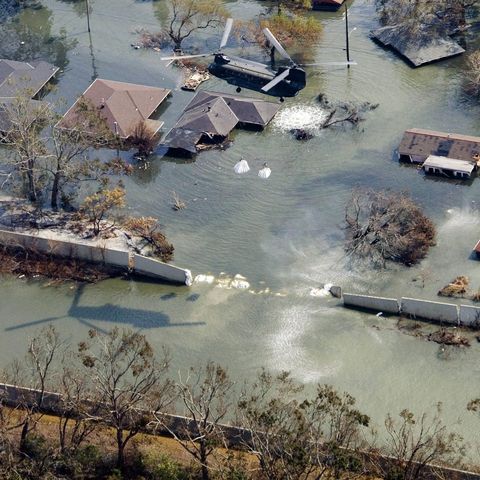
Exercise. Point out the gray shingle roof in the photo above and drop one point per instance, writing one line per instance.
(18, 76)
(215, 113)
(424, 46)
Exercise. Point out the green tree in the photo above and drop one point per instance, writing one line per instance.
(296, 438)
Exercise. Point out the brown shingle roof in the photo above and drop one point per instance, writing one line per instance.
(417, 141)
(127, 104)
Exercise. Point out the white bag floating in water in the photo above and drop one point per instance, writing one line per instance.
(241, 167)
(264, 172)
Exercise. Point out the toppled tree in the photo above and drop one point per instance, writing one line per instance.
(148, 229)
(457, 288)
(387, 226)
(189, 16)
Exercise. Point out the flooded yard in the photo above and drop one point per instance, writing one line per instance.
(285, 234)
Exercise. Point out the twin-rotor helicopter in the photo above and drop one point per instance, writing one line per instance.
(281, 82)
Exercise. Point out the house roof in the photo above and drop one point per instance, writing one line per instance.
(249, 111)
(123, 105)
(417, 141)
(452, 164)
(18, 76)
(423, 47)
(215, 113)
(213, 116)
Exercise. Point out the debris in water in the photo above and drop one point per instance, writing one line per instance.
(241, 166)
(265, 172)
(457, 288)
(308, 118)
(239, 282)
(204, 278)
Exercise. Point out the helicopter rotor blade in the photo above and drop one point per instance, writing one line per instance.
(226, 32)
(184, 57)
(276, 44)
(327, 63)
(276, 80)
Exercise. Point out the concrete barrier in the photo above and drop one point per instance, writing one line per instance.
(379, 304)
(154, 268)
(440, 312)
(469, 316)
(97, 254)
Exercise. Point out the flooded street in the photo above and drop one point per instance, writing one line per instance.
(283, 234)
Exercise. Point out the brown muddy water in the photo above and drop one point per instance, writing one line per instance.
(284, 234)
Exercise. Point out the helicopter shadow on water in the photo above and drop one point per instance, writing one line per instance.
(136, 317)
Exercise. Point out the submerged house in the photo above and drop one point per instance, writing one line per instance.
(450, 167)
(123, 106)
(441, 153)
(20, 77)
(210, 117)
(421, 47)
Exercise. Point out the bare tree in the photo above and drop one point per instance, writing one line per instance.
(419, 445)
(205, 394)
(126, 380)
(297, 439)
(383, 225)
(189, 16)
(26, 119)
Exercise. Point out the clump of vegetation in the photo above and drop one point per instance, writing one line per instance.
(457, 288)
(143, 139)
(178, 203)
(148, 229)
(387, 226)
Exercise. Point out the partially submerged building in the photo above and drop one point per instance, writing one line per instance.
(210, 117)
(420, 47)
(441, 153)
(122, 105)
(18, 78)
(450, 167)
(417, 144)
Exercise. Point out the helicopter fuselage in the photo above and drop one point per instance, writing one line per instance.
(253, 75)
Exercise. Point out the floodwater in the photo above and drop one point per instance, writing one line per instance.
(284, 234)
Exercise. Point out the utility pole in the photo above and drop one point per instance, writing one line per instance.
(347, 34)
(88, 15)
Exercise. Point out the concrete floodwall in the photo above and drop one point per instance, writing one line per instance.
(469, 316)
(379, 304)
(154, 268)
(97, 254)
(66, 249)
(437, 311)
